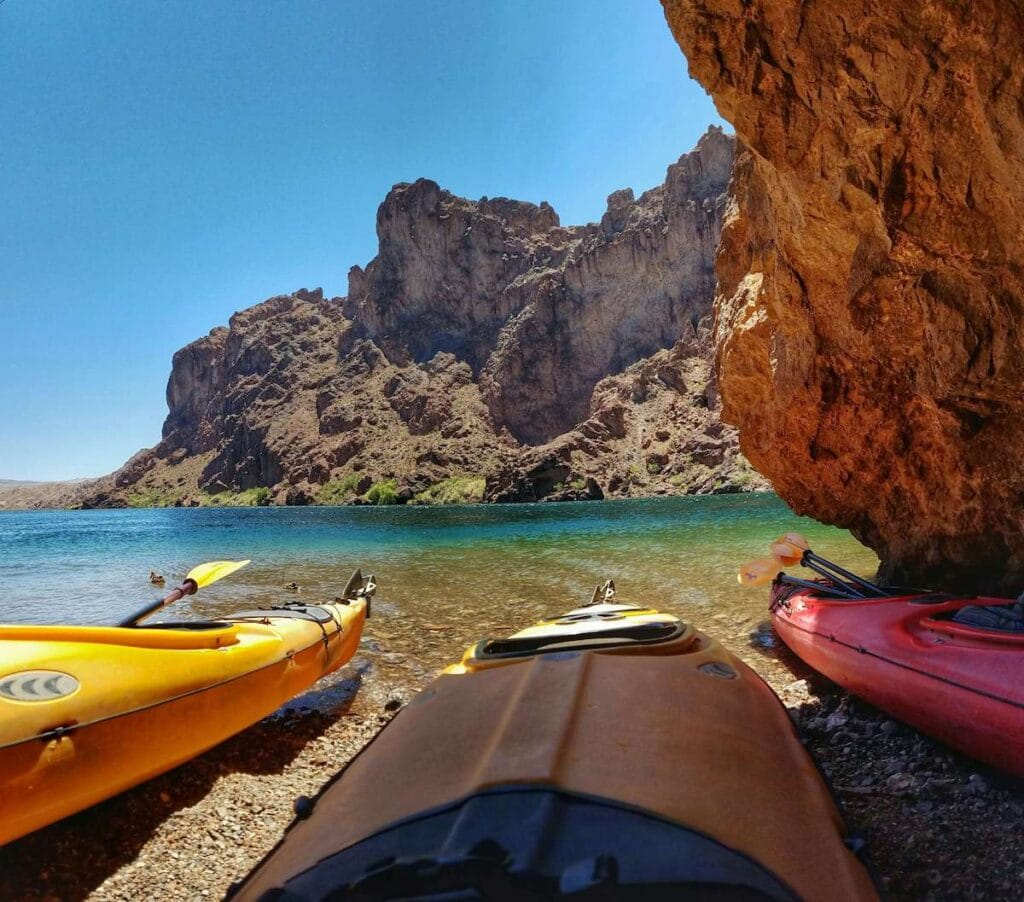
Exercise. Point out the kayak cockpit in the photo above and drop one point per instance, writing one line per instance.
(575, 634)
(439, 854)
(601, 624)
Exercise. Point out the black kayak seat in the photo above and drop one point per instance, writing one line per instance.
(1007, 618)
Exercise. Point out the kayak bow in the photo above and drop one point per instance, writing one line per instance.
(89, 711)
(612, 749)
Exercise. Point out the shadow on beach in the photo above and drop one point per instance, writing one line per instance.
(71, 858)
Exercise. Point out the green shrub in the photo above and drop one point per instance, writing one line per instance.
(653, 467)
(254, 497)
(383, 492)
(260, 496)
(467, 489)
(152, 498)
(743, 478)
(338, 491)
(578, 484)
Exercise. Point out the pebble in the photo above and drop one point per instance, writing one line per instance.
(396, 699)
(836, 720)
(976, 785)
(899, 782)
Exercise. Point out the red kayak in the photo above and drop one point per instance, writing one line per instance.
(962, 684)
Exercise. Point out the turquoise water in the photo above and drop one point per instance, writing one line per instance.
(447, 575)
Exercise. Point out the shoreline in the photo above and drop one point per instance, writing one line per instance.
(936, 825)
(359, 502)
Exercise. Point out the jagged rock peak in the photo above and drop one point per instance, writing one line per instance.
(425, 197)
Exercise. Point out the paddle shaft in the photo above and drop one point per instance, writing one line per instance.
(810, 558)
(189, 587)
(822, 571)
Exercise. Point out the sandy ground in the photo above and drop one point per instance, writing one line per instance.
(936, 826)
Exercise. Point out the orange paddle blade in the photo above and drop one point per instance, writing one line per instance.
(794, 538)
(786, 553)
(205, 574)
(759, 572)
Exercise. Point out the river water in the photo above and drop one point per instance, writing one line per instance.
(447, 575)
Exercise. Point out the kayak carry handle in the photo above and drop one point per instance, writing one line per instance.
(603, 594)
(359, 587)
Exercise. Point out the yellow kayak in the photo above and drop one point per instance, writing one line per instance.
(89, 711)
(610, 753)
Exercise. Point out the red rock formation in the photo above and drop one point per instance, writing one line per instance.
(870, 336)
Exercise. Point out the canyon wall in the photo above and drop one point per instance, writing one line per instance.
(486, 345)
(869, 330)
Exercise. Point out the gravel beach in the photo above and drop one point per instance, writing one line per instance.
(936, 826)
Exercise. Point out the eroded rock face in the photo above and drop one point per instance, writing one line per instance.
(654, 429)
(440, 280)
(626, 290)
(485, 342)
(541, 312)
(870, 335)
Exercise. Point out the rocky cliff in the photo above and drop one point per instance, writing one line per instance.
(487, 351)
(870, 338)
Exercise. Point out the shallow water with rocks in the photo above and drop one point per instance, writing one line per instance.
(935, 824)
(447, 575)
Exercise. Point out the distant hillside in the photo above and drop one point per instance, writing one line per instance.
(18, 493)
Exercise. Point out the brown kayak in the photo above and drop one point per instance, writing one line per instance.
(613, 752)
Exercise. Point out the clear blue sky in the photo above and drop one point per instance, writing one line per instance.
(164, 163)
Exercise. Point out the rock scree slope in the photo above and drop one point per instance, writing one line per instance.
(870, 321)
(486, 353)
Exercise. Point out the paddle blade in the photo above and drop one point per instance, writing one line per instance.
(759, 572)
(205, 574)
(786, 553)
(794, 538)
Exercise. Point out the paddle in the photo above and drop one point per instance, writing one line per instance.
(765, 570)
(792, 548)
(759, 572)
(198, 578)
